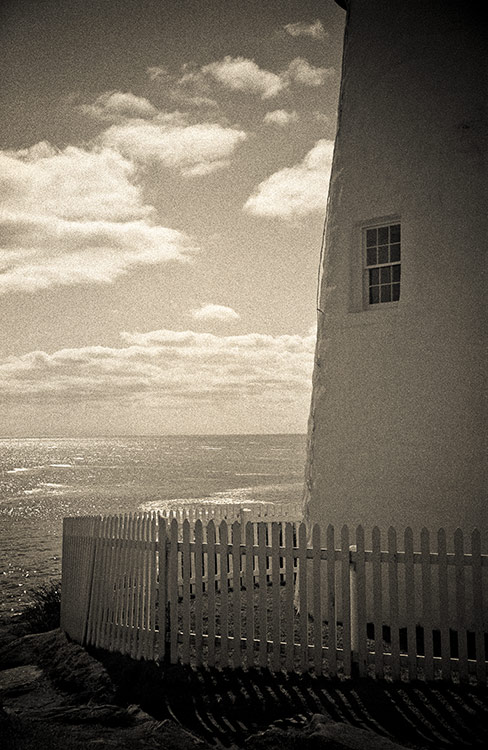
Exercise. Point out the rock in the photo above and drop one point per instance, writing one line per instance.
(67, 664)
(320, 734)
(106, 714)
(339, 736)
(19, 680)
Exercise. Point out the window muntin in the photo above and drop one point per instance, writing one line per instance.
(383, 256)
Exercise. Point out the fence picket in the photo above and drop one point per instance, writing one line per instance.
(317, 600)
(249, 594)
(185, 551)
(461, 604)
(262, 606)
(211, 592)
(477, 583)
(198, 593)
(361, 602)
(236, 592)
(427, 604)
(289, 609)
(275, 596)
(346, 601)
(377, 604)
(443, 603)
(410, 605)
(331, 601)
(302, 596)
(393, 596)
(162, 589)
(224, 594)
(173, 574)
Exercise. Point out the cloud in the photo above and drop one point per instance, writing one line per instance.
(314, 30)
(157, 72)
(280, 117)
(242, 74)
(300, 71)
(196, 149)
(76, 216)
(173, 366)
(215, 312)
(295, 191)
(116, 105)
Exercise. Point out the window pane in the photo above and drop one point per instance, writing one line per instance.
(385, 275)
(395, 233)
(371, 237)
(395, 253)
(371, 256)
(383, 254)
(385, 293)
(374, 276)
(374, 295)
(395, 292)
(395, 272)
(382, 235)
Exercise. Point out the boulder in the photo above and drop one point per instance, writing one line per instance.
(19, 680)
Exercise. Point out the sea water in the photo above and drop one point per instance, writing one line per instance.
(44, 480)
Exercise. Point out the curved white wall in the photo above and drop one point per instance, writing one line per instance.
(397, 418)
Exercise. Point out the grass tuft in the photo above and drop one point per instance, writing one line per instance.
(43, 613)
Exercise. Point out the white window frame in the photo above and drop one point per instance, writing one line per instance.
(388, 263)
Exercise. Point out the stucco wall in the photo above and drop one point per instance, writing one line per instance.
(397, 417)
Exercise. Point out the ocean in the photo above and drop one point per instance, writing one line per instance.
(44, 480)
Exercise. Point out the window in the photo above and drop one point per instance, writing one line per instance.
(383, 263)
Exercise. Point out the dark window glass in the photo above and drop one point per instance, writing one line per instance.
(383, 254)
(385, 293)
(374, 295)
(395, 253)
(374, 276)
(395, 295)
(395, 272)
(371, 237)
(395, 233)
(371, 256)
(385, 275)
(382, 235)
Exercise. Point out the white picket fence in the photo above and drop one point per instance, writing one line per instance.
(265, 594)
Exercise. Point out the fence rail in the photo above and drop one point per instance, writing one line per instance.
(271, 595)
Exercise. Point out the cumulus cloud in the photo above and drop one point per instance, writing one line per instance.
(171, 365)
(314, 30)
(295, 191)
(76, 216)
(280, 117)
(215, 312)
(300, 71)
(193, 149)
(244, 74)
(117, 105)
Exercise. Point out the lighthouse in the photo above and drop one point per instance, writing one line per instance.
(397, 422)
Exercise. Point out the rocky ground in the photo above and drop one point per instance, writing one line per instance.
(54, 694)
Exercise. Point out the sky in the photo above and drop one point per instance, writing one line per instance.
(164, 167)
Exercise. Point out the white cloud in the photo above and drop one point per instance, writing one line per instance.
(280, 117)
(242, 74)
(314, 30)
(168, 365)
(295, 191)
(193, 149)
(215, 312)
(76, 216)
(300, 71)
(117, 105)
(157, 73)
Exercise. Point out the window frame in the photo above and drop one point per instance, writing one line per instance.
(383, 223)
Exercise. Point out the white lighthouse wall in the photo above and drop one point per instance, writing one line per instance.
(396, 431)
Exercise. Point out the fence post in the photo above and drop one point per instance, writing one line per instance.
(353, 600)
(244, 517)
